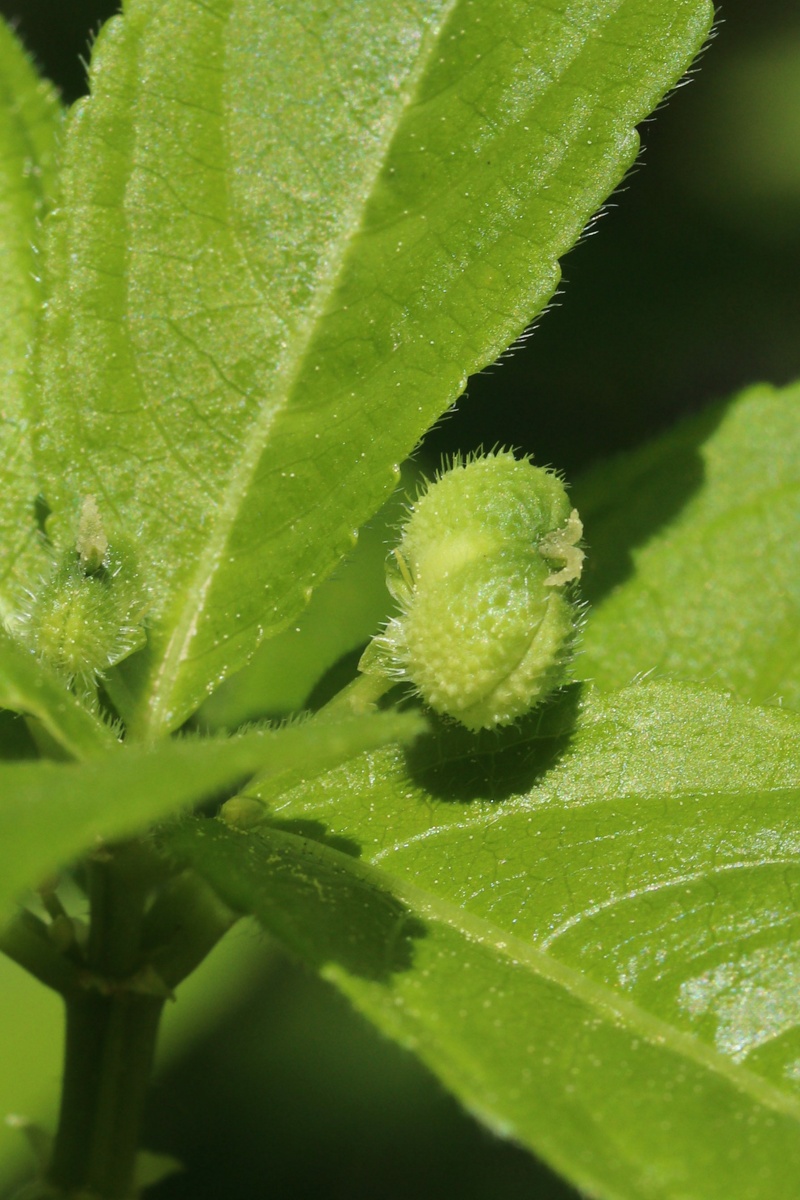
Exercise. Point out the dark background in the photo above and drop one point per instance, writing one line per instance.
(686, 291)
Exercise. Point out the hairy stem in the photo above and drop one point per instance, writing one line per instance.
(361, 695)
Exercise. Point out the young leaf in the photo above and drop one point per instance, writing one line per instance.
(27, 686)
(699, 533)
(288, 235)
(50, 812)
(29, 123)
(608, 970)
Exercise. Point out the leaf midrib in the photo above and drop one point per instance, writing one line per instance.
(603, 1000)
(242, 476)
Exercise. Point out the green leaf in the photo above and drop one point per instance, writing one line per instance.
(29, 123)
(344, 613)
(323, 906)
(27, 686)
(693, 553)
(49, 812)
(288, 236)
(608, 969)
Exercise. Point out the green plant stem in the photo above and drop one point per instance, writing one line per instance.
(110, 1045)
(119, 880)
(112, 1026)
(361, 695)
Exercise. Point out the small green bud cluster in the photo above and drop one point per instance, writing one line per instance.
(88, 615)
(482, 579)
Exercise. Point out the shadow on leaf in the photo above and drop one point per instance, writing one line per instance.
(316, 831)
(321, 904)
(628, 500)
(450, 763)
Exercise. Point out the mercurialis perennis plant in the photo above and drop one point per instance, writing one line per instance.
(242, 279)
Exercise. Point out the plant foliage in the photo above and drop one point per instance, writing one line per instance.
(238, 283)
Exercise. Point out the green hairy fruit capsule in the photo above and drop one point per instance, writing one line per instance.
(482, 576)
(88, 615)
